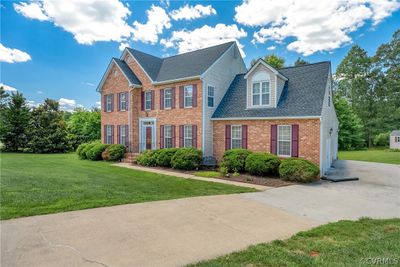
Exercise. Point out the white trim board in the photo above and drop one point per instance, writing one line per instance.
(265, 118)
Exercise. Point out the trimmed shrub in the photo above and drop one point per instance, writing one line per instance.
(262, 164)
(148, 158)
(81, 149)
(298, 170)
(382, 139)
(85, 150)
(95, 152)
(235, 159)
(186, 159)
(164, 156)
(113, 152)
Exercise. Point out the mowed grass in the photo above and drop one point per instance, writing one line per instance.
(34, 184)
(345, 243)
(208, 174)
(372, 155)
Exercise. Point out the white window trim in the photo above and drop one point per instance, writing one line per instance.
(165, 90)
(213, 96)
(241, 135)
(277, 141)
(145, 100)
(184, 96)
(120, 102)
(165, 135)
(109, 128)
(187, 126)
(270, 93)
(122, 133)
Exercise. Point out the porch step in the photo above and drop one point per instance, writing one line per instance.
(130, 157)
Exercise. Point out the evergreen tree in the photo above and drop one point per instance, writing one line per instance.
(14, 120)
(300, 62)
(48, 129)
(275, 61)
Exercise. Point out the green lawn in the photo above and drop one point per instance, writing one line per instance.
(372, 155)
(345, 243)
(39, 184)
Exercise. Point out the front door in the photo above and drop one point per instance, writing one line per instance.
(147, 134)
(148, 137)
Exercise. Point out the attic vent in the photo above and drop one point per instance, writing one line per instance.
(129, 59)
(115, 73)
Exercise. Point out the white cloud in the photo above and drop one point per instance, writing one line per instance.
(89, 21)
(98, 104)
(13, 55)
(315, 26)
(272, 47)
(39, 92)
(157, 21)
(65, 102)
(88, 84)
(187, 12)
(8, 88)
(122, 46)
(32, 104)
(203, 37)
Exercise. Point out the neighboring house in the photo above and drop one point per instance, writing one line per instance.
(395, 139)
(209, 100)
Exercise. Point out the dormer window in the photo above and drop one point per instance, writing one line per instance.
(261, 93)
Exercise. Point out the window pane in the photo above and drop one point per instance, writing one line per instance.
(167, 98)
(265, 99)
(256, 99)
(284, 139)
(187, 136)
(256, 88)
(167, 136)
(210, 99)
(148, 100)
(236, 131)
(109, 102)
(265, 87)
(188, 96)
(284, 148)
(236, 143)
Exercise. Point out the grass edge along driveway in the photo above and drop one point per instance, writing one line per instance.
(344, 243)
(34, 184)
(371, 155)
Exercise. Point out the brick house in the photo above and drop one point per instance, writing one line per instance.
(209, 100)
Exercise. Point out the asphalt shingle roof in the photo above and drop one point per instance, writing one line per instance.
(302, 95)
(184, 65)
(127, 71)
(395, 133)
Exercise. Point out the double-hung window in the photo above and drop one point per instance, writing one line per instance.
(109, 104)
(188, 136)
(167, 136)
(122, 101)
(284, 140)
(109, 134)
(236, 136)
(188, 96)
(147, 98)
(167, 98)
(122, 134)
(210, 96)
(397, 139)
(261, 93)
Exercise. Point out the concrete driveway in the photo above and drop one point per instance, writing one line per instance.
(375, 195)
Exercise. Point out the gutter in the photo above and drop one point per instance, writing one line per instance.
(178, 80)
(266, 118)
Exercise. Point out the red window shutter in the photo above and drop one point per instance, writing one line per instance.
(112, 102)
(181, 98)
(105, 134)
(244, 136)
(194, 136)
(119, 101)
(112, 134)
(194, 95)
(173, 97)
(152, 99)
(161, 136)
(127, 100)
(227, 137)
(181, 135)
(162, 99)
(127, 135)
(142, 96)
(295, 140)
(173, 135)
(274, 132)
(119, 134)
(104, 103)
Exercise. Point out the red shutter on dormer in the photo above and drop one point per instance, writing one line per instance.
(173, 97)
(142, 98)
(227, 137)
(274, 132)
(161, 136)
(295, 140)
(194, 136)
(194, 95)
(152, 99)
(181, 135)
(162, 99)
(181, 97)
(244, 136)
(173, 135)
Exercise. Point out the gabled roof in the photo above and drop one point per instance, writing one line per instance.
(302, 95)
(395, 133)
(126, 71)
(190, 64)
(261, 61)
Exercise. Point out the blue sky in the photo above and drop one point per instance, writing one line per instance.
(60, 51)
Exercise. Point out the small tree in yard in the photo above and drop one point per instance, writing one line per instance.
(14, 121)
(48, 130)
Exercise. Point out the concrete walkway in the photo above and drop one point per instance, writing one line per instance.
(162, 233)
(190, 176)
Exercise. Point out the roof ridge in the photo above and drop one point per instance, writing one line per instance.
(145, 53)
(315, 63)
(204, 48)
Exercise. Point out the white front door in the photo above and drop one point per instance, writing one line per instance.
(147, 134)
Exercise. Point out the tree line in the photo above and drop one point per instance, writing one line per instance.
(45, 128)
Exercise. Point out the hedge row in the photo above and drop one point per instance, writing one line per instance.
(98, 151)
(263, 164)
(177, 158)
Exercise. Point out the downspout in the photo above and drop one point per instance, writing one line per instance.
(130, 118)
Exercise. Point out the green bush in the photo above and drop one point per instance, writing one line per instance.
(382, 139)
(81, 150)
(262, 164)
(298, 170)
(148, 158)
(95, 152)
(235, 159)
(113, 152)
(186, 159)
(164, 156)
